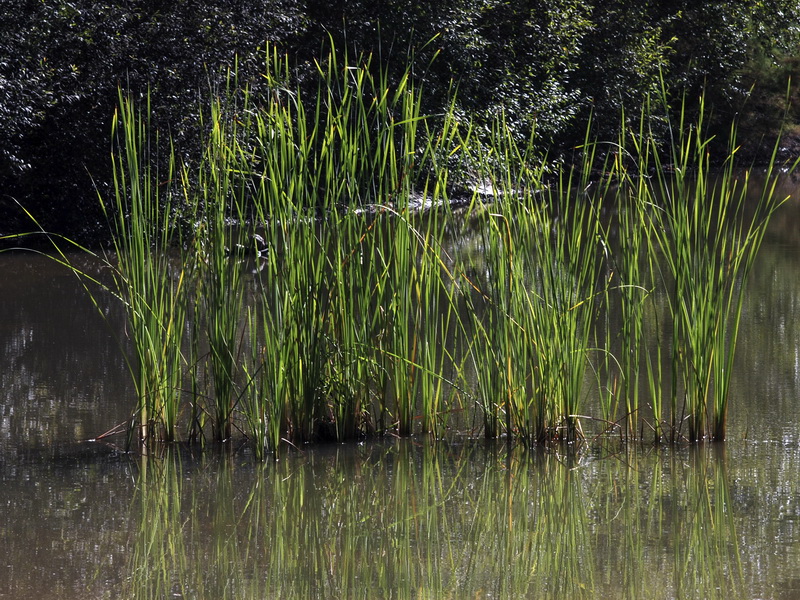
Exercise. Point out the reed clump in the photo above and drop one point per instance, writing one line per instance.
(542, 248)
(150, 279)
(702, 233)
(328, 290)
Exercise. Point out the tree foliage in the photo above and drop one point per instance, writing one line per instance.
(545, 64)
(61, 64)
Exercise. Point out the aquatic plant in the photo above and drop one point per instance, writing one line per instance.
(543, 250)
(349, 274)
(438, 297)
(221, 197)
(318, 301)
(686, 242)
(632, 263)
(709, 237)
(148, 278)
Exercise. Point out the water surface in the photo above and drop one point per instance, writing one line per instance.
(388, 518)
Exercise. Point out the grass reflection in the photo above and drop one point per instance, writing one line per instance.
(160, 557)
(705, 539)
(436, 521)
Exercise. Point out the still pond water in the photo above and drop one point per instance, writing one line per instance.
(389, 518)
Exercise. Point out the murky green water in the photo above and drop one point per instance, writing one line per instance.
(390, 518)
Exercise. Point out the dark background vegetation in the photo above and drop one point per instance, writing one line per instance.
(547, 64)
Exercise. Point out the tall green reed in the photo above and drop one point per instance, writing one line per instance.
(438, 299)
(632, 261)
(497, 369)
(354, 323)
(403, 306)
(709, 237)
(355, 304)
(500, 345)
(544, 252)
(418, 298)
(221, 203)
(564, 303)
(151, 283)
(295, 292)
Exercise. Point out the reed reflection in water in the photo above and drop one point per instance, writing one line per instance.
(401, 520)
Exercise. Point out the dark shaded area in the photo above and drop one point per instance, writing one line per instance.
(546, 64)
(60, 68)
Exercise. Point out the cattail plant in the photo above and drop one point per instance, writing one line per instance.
(149, 275)
(709, 237)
